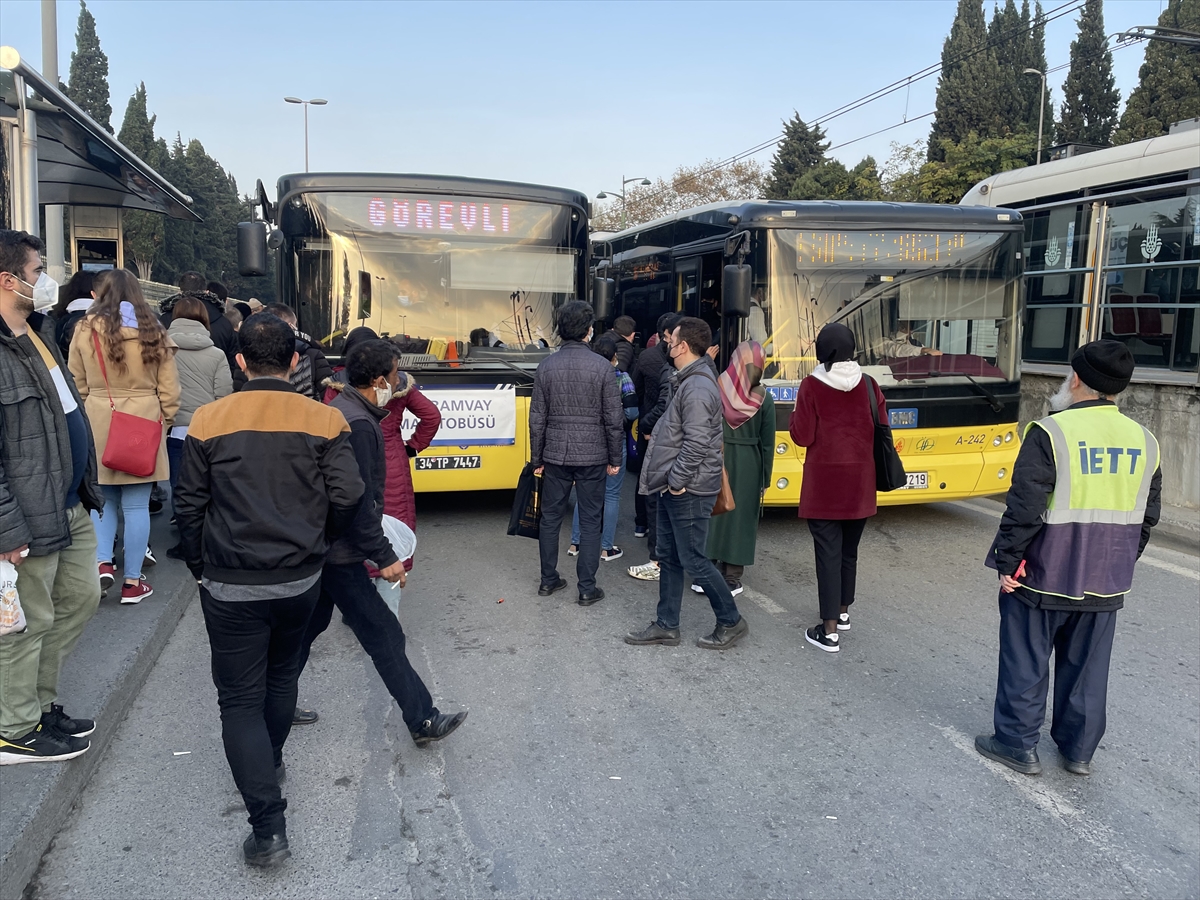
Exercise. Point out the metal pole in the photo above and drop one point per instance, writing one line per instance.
(1041, 115)
(55, 249)
(306, 136)
(29, 173)
(624, 217)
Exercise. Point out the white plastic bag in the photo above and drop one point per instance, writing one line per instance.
(404, 542)
(12, 617)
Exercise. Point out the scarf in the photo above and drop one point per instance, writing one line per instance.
(738, 381)
(843, 376)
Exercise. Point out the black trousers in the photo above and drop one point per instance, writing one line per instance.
(835, 542)
(350, 589)
(1082, 647)
(255, 665)
(589, 484)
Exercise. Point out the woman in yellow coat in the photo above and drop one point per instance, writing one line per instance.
(142, 381)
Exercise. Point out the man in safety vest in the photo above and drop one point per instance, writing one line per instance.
(1084, 496)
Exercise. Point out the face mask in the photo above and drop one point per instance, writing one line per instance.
(45, 292)
(383, 396)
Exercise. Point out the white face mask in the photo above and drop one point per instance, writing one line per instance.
(383, 396)
(44, 294)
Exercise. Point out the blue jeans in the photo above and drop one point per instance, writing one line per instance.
(682, 536)
(612, 509)
(134, 503)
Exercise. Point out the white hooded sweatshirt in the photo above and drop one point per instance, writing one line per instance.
(844, 376)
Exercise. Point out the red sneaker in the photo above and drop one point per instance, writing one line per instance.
(107, 576)
(136, 593)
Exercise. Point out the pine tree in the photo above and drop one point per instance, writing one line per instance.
(143, 230)
(966, 96)
(89, 71)
(179, 253)
(1031, 85)
(1090, 96)
(801, 150)
(1009, 42)
(1168, 87)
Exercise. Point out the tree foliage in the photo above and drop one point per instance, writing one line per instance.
(689, 186)
(802, 149)
(89, 71)
(143, 230)
(967, 162)
(802, 169)
(966, 99)
(1090, 95)
(1168, 88)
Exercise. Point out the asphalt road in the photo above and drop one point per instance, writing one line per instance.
(589, 768)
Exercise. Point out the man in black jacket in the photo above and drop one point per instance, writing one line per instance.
(622, 334)
(255, 538)
(312, 368)
(372, 376)
(576, 436)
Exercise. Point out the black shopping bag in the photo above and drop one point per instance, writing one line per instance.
(526, 518)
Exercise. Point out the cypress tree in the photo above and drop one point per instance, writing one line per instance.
(143, 230)
(801, 151)
(966, 98)
(1090, 96)
(1008, 39)
(1168, 87)
(1031, 85)
(89, 71)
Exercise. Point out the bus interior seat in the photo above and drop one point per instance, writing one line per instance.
(1122, 322)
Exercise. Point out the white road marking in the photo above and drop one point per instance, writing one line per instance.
(1149, 560)
(764, 601)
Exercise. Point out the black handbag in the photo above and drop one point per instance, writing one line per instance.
(526, 517)
(889, 471)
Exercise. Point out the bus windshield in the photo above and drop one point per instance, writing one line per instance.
(923, 306)
(484, 272)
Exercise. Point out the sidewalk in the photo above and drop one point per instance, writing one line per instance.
(100, 680)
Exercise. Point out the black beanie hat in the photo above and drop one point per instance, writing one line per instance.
(1104, 366)
(835, 344)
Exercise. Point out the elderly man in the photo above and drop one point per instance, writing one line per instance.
(576, 436)
(1085, 494)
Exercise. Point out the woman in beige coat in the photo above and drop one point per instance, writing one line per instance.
(142, 381)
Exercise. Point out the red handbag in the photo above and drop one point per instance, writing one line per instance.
(133, 442)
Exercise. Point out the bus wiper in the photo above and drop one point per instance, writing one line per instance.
(514, 367)
(992, 400)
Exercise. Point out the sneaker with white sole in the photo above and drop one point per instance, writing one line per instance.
(611, 553)
(734, 589)
(573, 550)
(136, 593)
(43, 744)
(639, 532)
(843, 623)
(697, 588)
(822, 641)
(149, 559)
(108, 575)
(645, 572)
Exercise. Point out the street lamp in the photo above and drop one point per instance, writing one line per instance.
(306, 104)
(1041, 108)
(604, 195)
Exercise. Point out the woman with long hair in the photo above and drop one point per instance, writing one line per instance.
(139, 378)
(74, 299)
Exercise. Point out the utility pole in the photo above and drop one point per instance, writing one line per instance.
(55, 248)
(1041, 109)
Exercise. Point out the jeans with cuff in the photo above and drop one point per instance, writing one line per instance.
(682, 536)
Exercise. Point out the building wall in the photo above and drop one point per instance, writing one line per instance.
(1171, 412)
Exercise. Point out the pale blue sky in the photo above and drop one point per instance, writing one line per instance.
(571, 94)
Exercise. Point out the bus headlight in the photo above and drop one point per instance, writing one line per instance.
(1002, 473)
(782, 484)
(1008, 438)
(781, 449)
(996, 441)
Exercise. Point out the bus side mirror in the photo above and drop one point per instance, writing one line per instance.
(735, 289)
(252, 248)
(602, 297)
(364, 295)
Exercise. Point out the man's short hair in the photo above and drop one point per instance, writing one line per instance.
(192, 282)
(368, 361)
(624, 326)
(667, 322)
(14, 250)
(282, 310)
(215, 287)
(696, 333)
(574, 320)
(479, 337)
(606, 347)
(267, 343)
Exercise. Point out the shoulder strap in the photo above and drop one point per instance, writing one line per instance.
(871, 398)
(103, 368)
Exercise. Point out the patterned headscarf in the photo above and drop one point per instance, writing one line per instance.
(737, 383)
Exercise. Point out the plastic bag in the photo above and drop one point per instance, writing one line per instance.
(12, 617)
(403, 541)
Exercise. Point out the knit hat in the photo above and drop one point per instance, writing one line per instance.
(1104, 366)
(835, 344)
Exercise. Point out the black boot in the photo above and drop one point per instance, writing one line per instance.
(266, 852)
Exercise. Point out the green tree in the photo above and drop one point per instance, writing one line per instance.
(831, 180)
(144, 231)
(689, 186)
(89, 71)
(966, 96)
(1032, 96)
(1168, 88)
(1009, 38)
(1090, 96)
(179, 250)
(901, 174)
(801, 150)
(965, 163)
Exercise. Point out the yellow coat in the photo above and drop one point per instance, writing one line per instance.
(140, 390)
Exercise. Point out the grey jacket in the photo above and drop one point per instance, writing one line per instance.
(575, 417)
(685, 453)
(35, 447)
(203, 370)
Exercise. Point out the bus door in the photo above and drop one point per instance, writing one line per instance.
(687, 286)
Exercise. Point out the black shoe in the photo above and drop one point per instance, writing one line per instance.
(149, 559)
(1024, 761)
(60, 721)
(156, 506)
(304, 716)
(266, 852)
(281, 773)
(176, 552)
(843, 622)
(1077, 766)
(724, 636)
(822, 641)
(654, 634)
(547, 589)
(43, 744)
(436, 727)
(587, 598)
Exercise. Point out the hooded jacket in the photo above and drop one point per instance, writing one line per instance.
(312, 368)
(686, 451)
(203, 370)
(219, 327)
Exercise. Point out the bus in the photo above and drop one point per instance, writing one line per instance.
(932, 294)
(463, 274)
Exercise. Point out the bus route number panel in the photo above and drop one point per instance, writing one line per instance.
(442, 463)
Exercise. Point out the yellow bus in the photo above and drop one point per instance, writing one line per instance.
(932, 294)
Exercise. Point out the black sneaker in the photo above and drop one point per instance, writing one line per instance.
(176, 552)
(640, 532)
(654, 634)
(43, 744)
(149, 559)
(611, 553)
(266, 852)
(843, 622)
(60, 721)
(436, 727)
(822, 641)
(304, 716)
(156, 506)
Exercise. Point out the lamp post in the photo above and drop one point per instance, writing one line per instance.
(604, 195)
(306, 104)
(1041, 108)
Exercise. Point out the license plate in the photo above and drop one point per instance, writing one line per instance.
(917, 481)
(440, 463)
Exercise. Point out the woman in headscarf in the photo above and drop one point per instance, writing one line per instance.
(833, 420)
(749, 452)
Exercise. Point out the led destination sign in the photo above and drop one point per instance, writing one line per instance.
(460, 216)
(907, 247)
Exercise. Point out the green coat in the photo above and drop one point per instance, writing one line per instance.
(749, 453)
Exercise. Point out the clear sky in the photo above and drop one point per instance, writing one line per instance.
(572, 94)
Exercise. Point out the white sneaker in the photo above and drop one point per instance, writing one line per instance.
(573, 550)
(646, 572)
(697, 588)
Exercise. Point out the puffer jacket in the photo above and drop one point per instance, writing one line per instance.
(203, 371)
(686, 451)
(575, 416)
(219, 327)
(35, 446)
